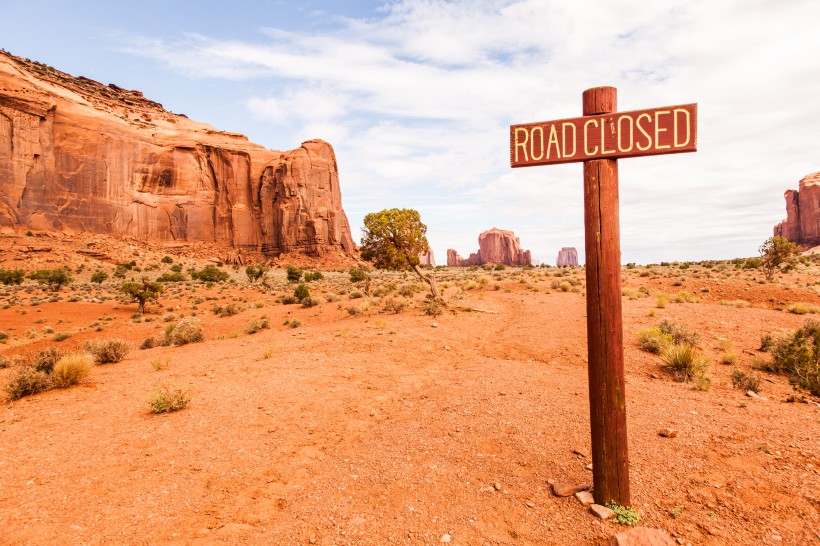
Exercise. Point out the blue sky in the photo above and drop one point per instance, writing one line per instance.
(416, 97)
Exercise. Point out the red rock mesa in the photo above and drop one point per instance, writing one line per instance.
(567, 256)
(802, 223)
(495, 246)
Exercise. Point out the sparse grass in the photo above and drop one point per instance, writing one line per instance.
(685, 361)
(802, 308)
(728, 358)
(392, 305)
(166, 399)
(257, 324)
(61, 336)
(652, 340)
(740, 304)
(747, 381)
(108, 351)
(661, 301)
(70, 370)
(685, 297)
(187, 330)
(159, 363)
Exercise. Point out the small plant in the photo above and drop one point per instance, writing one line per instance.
(301, 292)
(70, 370)
(803, 308)
(294, 274)
(432, 308)
(187, 330)
(172, 277)
(767, 341)
(108, 351)
(678, 333)
(99, 276)
(661, 301)
(61, 336)
(148, 343)
(228, 310)
(167, 260)
(676, 511)
(25, 381)
(685, 361)
(289, 300)
(256, 272)
(160, 364)
(165, 399)
(45, 360)
(652, 340)
(728, 358)
(293, 323)
(392, 305)
(747, 381)
(565, 286)
(310, 302)
(255, 325)
(798, 355)
(624, 515)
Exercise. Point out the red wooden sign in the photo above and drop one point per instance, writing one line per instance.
(667, 130)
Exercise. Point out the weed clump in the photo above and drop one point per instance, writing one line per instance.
(25, 381)
(798, 355)
(685, 361)
(165, 399)
(256, 325)
(652, 340)
(70, 370)
(108, 351)
(747, 381)
(187, 330)
(624, 515)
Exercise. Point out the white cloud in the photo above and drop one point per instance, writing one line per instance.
(417, 102)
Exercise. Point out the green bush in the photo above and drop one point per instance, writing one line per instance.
(311, 276)
(54, 278)
(301, 292)
(167, 260)
(172, 277)
(256, 272)
(99, 276)
(798, 355)
(357, 274)
(11, 276)
(210, 273)
(293, 273)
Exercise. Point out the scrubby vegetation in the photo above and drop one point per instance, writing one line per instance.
(166, 399)
(108, 351)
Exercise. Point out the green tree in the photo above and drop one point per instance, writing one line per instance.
(358, 275)
(54, 278)
(394, 239)
(142, 291)
(11, 276)
(99, 276)
(293, 273)
(210, 273)
(301, 292)
(776, 252)
(256, 272)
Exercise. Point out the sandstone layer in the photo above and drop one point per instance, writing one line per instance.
(567, 256)
(802, 223)
(80, 156)
(495, 246)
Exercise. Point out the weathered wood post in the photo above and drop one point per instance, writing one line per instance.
(607, 402)
(598, 139)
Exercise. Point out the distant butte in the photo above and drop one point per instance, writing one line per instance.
(495, 246)
(802, 223)
(567, 256)
(80, 156)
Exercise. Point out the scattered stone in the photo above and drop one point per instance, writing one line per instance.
(530, 504)
(589, 466)
(585, 497)
(642, 536)
(497, 486)
(445, 538)
(567, 489)
(668, 432)
(583, 453)
(601, 511)
(434, 325)
(753, 394)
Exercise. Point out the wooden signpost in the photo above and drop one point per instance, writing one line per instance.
(598, 139)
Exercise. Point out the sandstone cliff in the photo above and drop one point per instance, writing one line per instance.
(495, 246)
(428, 258)
(567, 256)
(76, 155)
(802, 223)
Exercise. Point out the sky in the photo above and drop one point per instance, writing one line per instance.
(417, 96)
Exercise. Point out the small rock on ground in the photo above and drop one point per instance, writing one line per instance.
(642, 536)
(585, 498)
(568, 489)
(445, 538)
(667, 432)
(601, 511)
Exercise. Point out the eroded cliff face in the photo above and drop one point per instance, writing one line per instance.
(495, 246)
(567, 256)
(76, 155)
(802, 223)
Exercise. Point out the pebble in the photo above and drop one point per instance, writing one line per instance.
(434, 325)
(585, 498)
(445, 538)
(668, 432)
(582, 452)
(497, 486)
(601, 511)
(753, 394)
(568, 489)
(589, 466)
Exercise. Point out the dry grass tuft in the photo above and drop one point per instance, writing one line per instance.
(70, 370)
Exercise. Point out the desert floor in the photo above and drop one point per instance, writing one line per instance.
(366, 427)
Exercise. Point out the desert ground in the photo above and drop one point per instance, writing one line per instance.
(347, 422)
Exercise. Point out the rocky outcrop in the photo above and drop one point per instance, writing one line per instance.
(802, 223)
(428, 259)
(495, 246)
(567, 256)
(76, 155)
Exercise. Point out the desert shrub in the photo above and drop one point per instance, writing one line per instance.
(187, 330)
(25, 381)
(355, 295)
(107, 351)
(767, 341)
(70, 370)
(167, 260)
(432, 308)
(353, 311)
(61, 336)
(165, 399)
(210, 273)
(311, 276)
(3, 337)
(357, 274)
(11, 276)
(803, 308)
(678, 333)
(752, 263)
(256, 272)
(99, 276)
(176, 268)
(172, 277)
(747, 381)
(54, 278)
(289, 300)
(565, 286)
(685, 361)
(392, 305)
(728, 358)
(310, 301)
(301, 292)
(685, 297)
(142, 292)
(148, 343)
(45, 360)
(228, 310)
(799, 356)
(293, 273)
(652, 340)
(500, 267)
(740, 304)
(293, 323)
(257, 324)
(661, 301)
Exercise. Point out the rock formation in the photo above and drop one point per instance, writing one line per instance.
(76, 155)
(802, 223)
(567, 256)
(428, 258)
(495, 246)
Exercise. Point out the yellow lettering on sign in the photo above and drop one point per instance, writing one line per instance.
(642, 130)
(564, 127)
(586, 137)
(532, 143)
(603, 136)
(675, 113)
(553, 140)
(621, 132)
(658, 129)
(521, 144)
